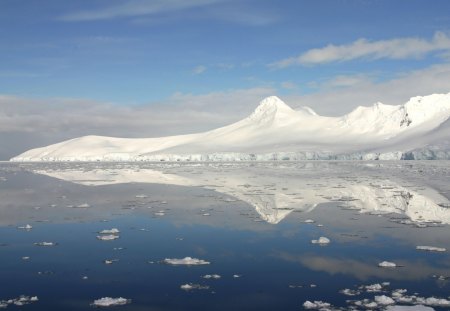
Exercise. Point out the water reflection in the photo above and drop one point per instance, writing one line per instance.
(276, 191)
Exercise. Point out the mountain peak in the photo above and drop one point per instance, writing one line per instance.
(268, 108)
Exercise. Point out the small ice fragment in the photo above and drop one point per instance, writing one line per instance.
(236, 276)
(322, 241)
(26, 227)
(312, 285)
(350, 292)
(25, 258)
(409, 308)
(317, 305)
(110, 231)
(387, 264)
(84, 205)
(384, 300)
(45, 244)
(191, 286)
(431, 248)
(188, 261)
(309, 221)
(160, 213)
(85, 277)
(110, 261)
(109, 302)
(206, 214)
(141, 196)
(211, 276)
(109, 237)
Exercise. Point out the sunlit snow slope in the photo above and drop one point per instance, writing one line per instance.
(418, 129)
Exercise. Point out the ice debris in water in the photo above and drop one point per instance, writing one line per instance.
(211, 276)
(109, 302)
(309, 221)
(387, 264)
(109, 237)
(84, 205)
(110, 231)
(430, 248)
(384, 300)
(322, 241)
(26, 227)
(316, 305)
(20, 301)
(45, 244)
(188, 261)
(191, 286)
(409, 308)
(350, 292)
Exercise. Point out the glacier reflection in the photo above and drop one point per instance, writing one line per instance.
(276, 190)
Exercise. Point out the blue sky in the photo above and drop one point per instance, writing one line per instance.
(178, 58)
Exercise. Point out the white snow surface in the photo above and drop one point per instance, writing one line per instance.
(275, 131)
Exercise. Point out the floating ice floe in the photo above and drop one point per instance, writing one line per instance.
(387, 264)
(375, 288)
(84, 205)
(25, 258)
(110, 261)
(431, 248)
(409, 308)
(187, 261)
(350, 292)
(160, 213)
(211, 276)
(316, 305)
(108, 237)
(309, 221)
(20, 301)
(109, 302)
(236, 276)
(141, 196)
(322, 241)
(110, 231)
(191, 286)
(45, 244)
(26, 227)
(384, 300)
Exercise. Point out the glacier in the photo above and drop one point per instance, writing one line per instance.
(416, 130)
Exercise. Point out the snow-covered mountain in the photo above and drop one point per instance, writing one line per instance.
(274, 131)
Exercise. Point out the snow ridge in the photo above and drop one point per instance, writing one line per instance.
(275, 131)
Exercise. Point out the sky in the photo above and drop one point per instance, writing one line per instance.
(148, 68)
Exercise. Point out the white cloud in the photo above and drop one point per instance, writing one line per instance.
(131, 8)
(199, 70)
(398, 48)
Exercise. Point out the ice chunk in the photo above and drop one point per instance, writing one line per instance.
(309, 221)
(84, 205)
(387, 264)
(322, 241)
(409, 308)
(431, 248)
(45, 244)
(350, 292)
(109, 237)
(110, 231)
(109, 302)
(191, 286)
(188, 261)
(384, 300)
(211, 276)
(316, 305)
(26, 227)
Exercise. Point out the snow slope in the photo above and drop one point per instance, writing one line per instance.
(276, 131)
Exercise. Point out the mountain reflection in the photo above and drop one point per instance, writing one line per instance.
(275, 190)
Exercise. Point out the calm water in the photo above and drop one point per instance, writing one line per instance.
(252, 220)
